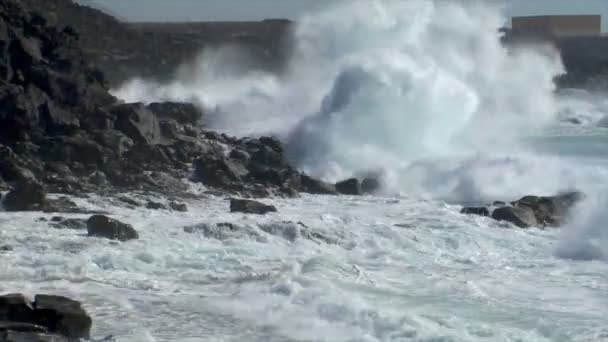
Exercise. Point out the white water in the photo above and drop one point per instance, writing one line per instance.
(422, 90)
(401, 269)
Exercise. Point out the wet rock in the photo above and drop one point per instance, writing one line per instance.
(315, 186)
(219, 172)
(26, 196)
(63, 316)
(499, 204)
(481, 211)
(350, 186)
(137, 122)
(62, 205)
(178, 206)
(103, 226)
(155, 206)
(69, 223)
(522, 217)
(182, 113)
(370, 185)
(250, 207)
(550, 210)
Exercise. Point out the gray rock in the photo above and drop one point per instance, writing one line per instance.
(138, 123)
(26, 196)
(250, 207)
(103, 226)
(523, 217)
(178, 206)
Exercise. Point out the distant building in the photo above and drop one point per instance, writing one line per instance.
(558, 25)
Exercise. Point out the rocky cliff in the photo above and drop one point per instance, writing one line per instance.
(61, 131)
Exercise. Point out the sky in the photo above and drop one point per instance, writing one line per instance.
(220, 10)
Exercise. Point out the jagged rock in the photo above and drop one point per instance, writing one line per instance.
(315, 186)
(350, 186)
(137, 122)
(103, 226)
(178, 206)
(218, 171)
(182, 113)
(523, 217)
(370, 185)
(115, 140)
(550, 210)
(26, 196)
(481, 211)
(250, 207)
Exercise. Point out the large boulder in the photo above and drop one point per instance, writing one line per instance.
(48, 318)
(103, 226)
(250, 207)
(63, 316)
(550, 210)
(26, 196)
(137, 122)
(218, 171)
(522, 217)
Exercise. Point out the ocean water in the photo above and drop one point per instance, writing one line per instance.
(420, 92)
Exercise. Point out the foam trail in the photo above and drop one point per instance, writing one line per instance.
(380, 84)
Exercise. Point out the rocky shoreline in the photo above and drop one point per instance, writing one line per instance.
(62, 132)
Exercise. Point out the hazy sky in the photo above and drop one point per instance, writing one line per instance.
(194, 10)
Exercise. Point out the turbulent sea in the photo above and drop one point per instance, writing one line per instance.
(421, 92)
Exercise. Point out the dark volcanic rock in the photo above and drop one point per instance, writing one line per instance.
(350, 186)
(48, 318)
(26, 196)
(182, 113)
(103, 226)
(219, 172)
(550, 210)
(137, 122)
(250, 207)
(481, 211)
(523, 217)
(63, 316)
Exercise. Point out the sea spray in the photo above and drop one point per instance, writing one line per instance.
(383, 85)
